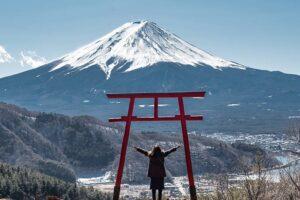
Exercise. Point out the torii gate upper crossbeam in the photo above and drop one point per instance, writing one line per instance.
(158, 95)
(182, 117)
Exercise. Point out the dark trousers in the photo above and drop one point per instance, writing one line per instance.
(154, 194)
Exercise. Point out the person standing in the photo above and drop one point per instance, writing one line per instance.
(156, 169)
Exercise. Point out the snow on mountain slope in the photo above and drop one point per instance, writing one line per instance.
(141, 44)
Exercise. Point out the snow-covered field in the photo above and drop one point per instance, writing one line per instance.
(176, 189)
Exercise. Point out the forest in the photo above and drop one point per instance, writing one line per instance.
(23, 183)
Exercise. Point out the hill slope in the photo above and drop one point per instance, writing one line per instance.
(51, 143)
(58, 145)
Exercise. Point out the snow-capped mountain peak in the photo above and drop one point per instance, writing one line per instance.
(140, 44)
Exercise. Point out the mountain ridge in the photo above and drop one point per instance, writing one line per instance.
(264, 101)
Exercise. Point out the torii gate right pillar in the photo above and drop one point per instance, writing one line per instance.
(186, 143)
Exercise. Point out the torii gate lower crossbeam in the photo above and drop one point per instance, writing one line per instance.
(182, 117)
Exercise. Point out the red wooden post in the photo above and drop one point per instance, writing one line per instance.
(155, 107)
(187, 149)
(123, 150)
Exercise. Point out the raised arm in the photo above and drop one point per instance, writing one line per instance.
(142, 151)
(170, 151)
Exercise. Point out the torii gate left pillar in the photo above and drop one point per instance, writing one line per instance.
(182, 117)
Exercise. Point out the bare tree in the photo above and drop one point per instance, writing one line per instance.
(293, 130)
(293, 180)
(256, 187)
(222, 186)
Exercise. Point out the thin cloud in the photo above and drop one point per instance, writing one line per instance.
(5, 57)
(31, 59)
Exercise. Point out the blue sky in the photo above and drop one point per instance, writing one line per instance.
(261, 34)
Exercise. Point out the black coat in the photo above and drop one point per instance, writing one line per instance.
(156, 167)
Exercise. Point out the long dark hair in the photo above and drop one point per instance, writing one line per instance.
(155, 151)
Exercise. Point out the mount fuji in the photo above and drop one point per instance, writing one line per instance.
(142, 57)
(137, 45)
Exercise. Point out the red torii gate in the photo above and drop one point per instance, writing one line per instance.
(182, 117)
